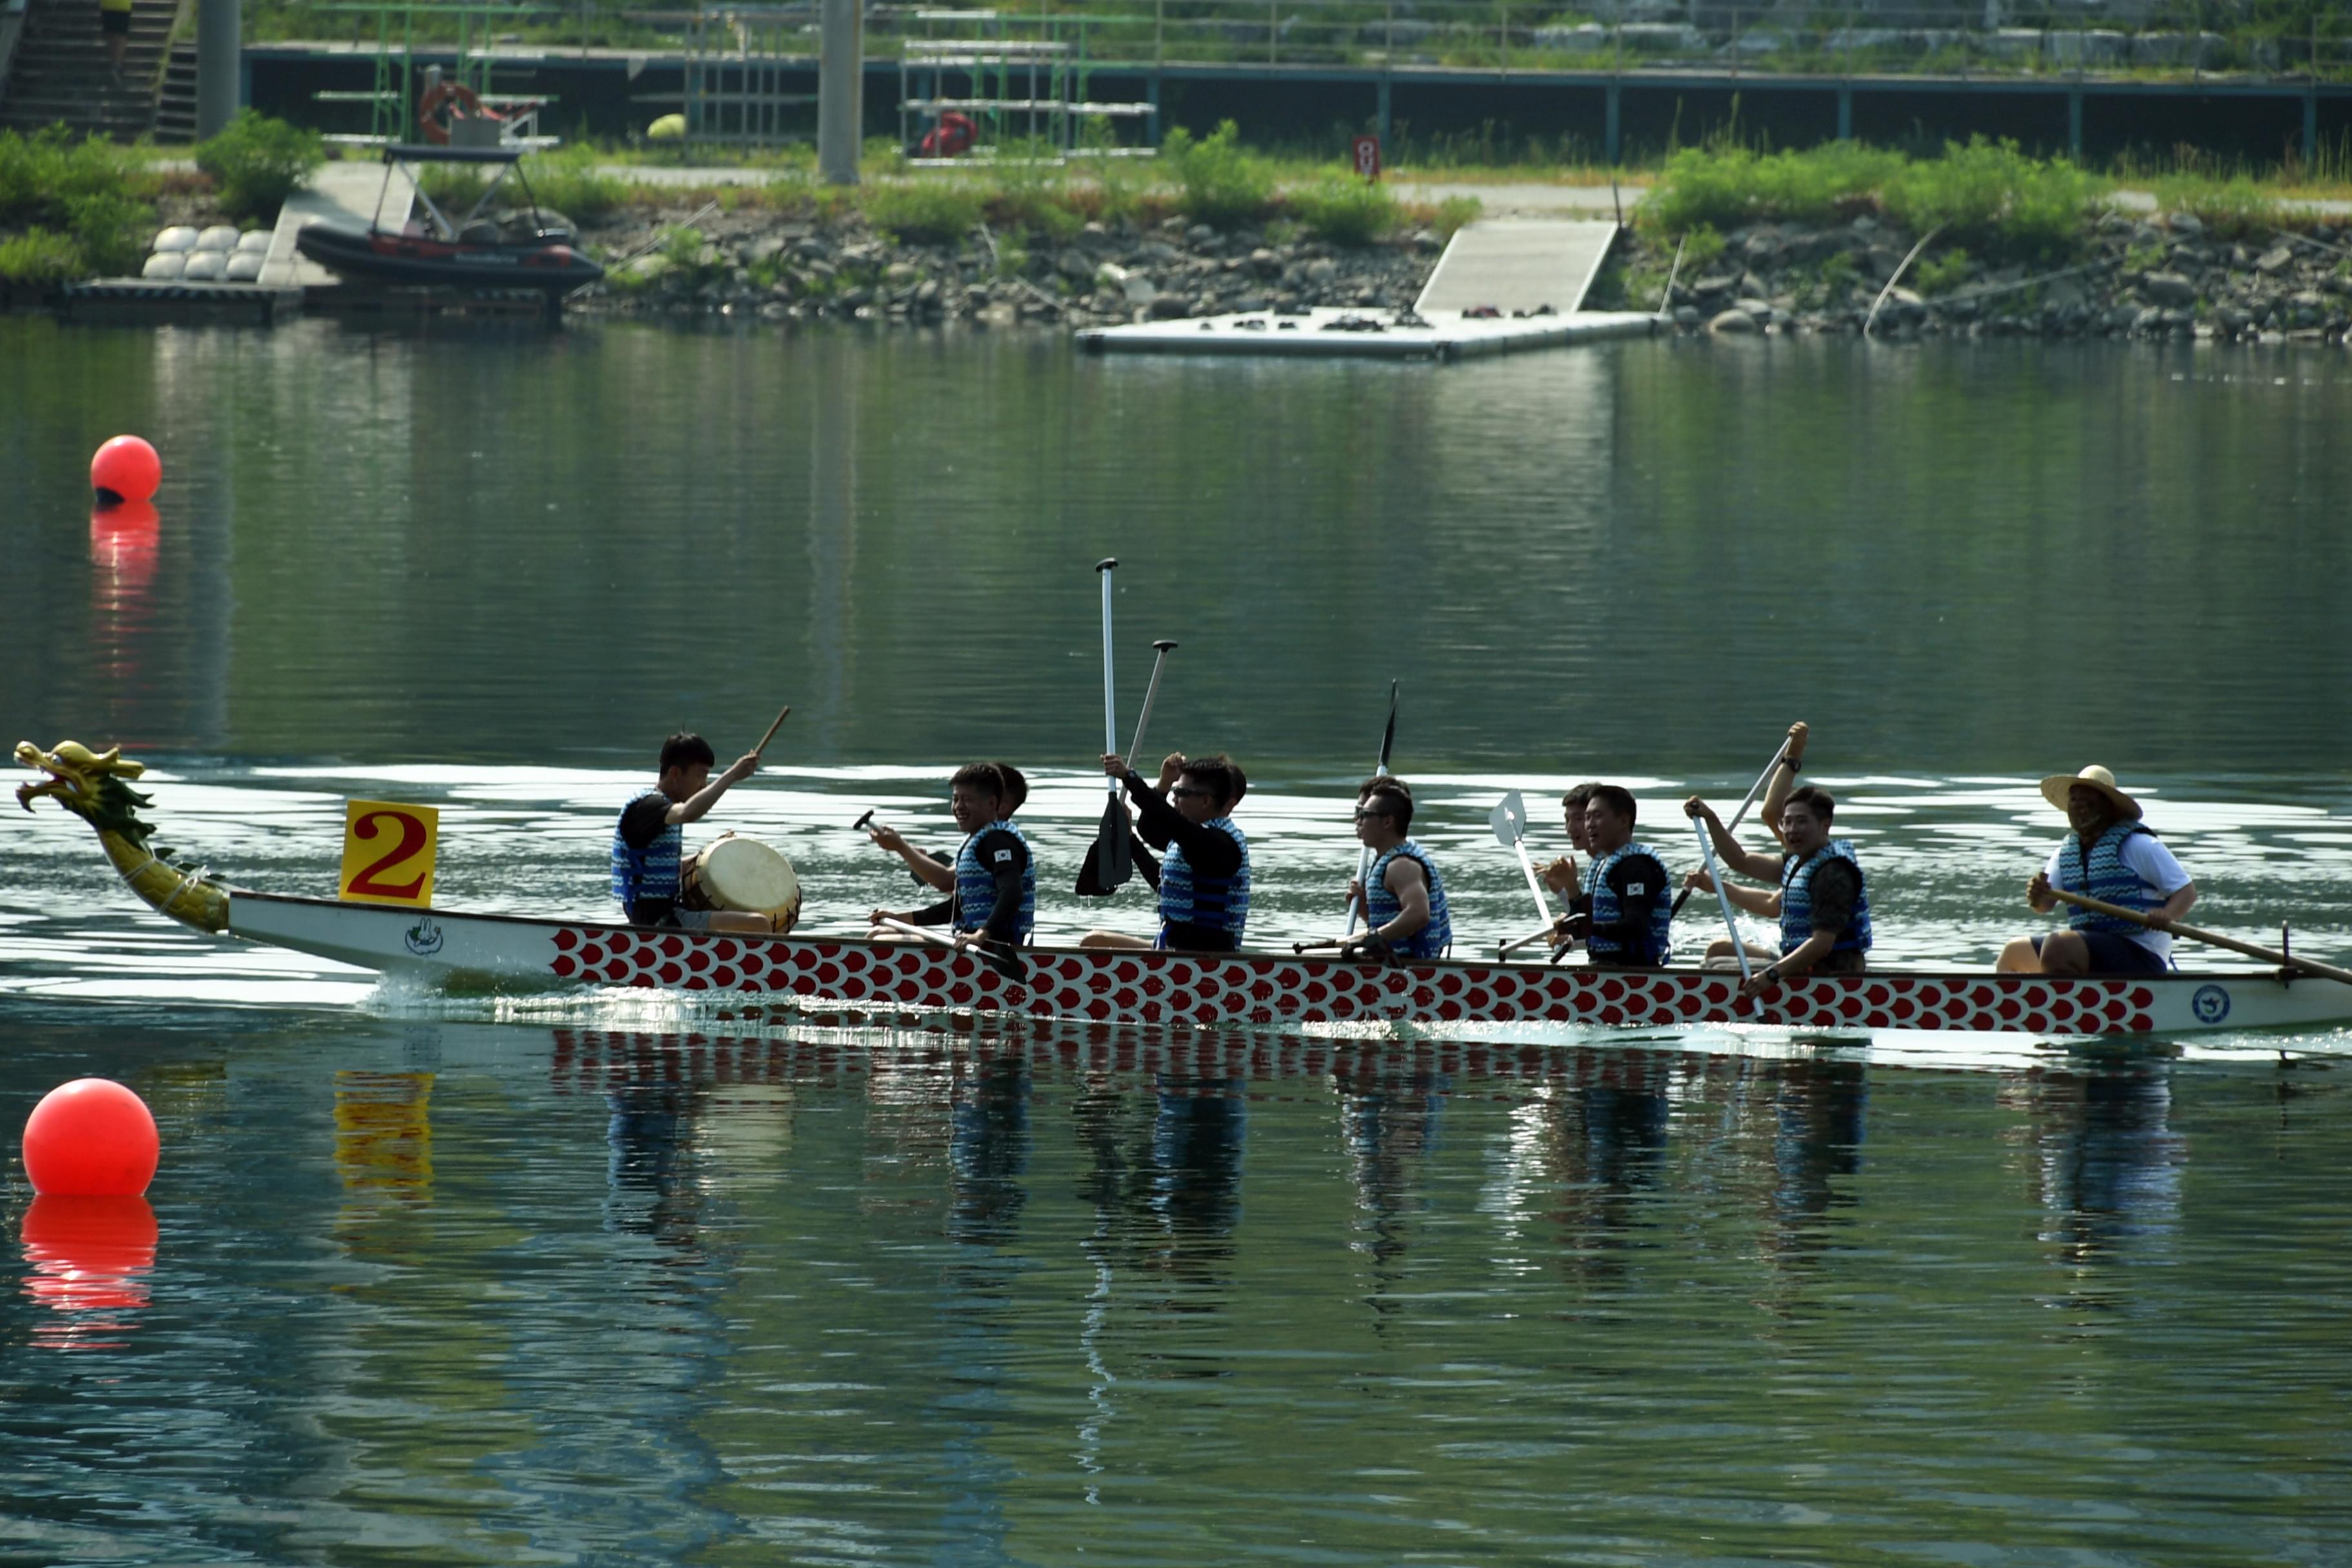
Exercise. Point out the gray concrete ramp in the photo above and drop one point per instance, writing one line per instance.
(1518, 265)
(345, 195)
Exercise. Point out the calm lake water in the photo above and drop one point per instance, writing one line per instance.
(596, 1278)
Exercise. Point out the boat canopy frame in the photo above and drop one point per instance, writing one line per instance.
(446, 229)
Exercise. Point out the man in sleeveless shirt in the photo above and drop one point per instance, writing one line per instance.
(1623, 912)
(993, 902)
(1822, 901)
(2114, 857)
(1404, 898)
(649, 846)
(1204, 877)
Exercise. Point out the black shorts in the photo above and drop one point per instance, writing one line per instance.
(2114, 954)
(114, 24)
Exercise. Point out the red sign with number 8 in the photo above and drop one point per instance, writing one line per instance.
(1365, 150)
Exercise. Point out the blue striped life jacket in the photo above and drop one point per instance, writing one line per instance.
(1219, 903)
(1381, 906)
(1796, 900)
(975, 888)
(650, 872)
(2107, 879)
(1607, 911)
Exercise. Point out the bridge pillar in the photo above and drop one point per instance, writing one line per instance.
(2310, 129)
(220, 65)
(2074, 124)
(1845, 111)
(1381, 114)
(1612, 139)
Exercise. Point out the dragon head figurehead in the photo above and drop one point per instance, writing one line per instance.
(94, 786)
(88, 784)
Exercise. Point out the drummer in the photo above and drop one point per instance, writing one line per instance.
(928, 870)
(995, 897)
(649, 846)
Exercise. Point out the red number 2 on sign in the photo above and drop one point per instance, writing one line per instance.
(412, 839)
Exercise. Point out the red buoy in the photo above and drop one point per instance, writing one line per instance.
(125, 468)
(89, 1255)
(92, 1138)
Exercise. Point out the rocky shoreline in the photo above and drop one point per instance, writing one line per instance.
(755, 262)
(2146, 277)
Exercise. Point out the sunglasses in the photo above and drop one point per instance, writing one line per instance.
(1369, 816)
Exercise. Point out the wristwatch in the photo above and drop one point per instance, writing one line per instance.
(1772, 973)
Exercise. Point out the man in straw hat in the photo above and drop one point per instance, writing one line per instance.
(2114, 857)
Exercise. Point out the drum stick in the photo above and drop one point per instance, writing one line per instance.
(771, 730)
(859, 825)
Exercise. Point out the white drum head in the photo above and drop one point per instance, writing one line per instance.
(744, 874)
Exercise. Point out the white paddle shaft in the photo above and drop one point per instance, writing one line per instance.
(1110, 690)
(1722, 893)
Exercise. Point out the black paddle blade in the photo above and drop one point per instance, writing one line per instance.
(1114, 863)
(1007, 963)
(1090, 883)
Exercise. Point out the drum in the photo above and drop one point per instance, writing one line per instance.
(732, 872)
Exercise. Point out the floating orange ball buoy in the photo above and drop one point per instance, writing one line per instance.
(92, 1138)
(125, 468)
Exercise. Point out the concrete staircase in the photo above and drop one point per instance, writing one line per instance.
(175, 99)
(60, 71)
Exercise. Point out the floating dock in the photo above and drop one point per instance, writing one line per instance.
(1501, 286)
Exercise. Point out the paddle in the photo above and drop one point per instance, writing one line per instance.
(1738, 817)
(1008, 965)
(771, 730)
(1361, 905)
(1722, 893)
(1091, 878)
(1509, 821)
(2213, 938)
(1112, 862)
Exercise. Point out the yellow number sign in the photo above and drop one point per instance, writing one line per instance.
(388, 853)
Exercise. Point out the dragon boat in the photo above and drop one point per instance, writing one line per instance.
(449, 947)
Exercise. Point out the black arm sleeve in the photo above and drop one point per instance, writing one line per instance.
(1207, 850)
(937, 914)
(1007, 859)
(1640, 882)
(643, 820)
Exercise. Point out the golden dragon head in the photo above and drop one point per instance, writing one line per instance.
(87, 783)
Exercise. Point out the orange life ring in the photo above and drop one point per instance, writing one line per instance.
(438, 96)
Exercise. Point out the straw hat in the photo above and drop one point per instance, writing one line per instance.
(2054, 788)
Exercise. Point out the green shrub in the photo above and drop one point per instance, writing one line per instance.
(38, 255)
(1701, 249)
(1345, 209)
(1991, 194)
(1941, 274)
(1729, 188)
(112, 229)
(42, 175)
(1218, 182)
(570, 181)
(258, 162)
(923, 210)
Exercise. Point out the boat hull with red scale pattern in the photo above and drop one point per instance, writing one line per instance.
(1129, 986)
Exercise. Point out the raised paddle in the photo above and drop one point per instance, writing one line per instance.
(1362, 906)
(2212, 938)
(772, 729)
(1738, 817)
(1509, 821)
(1111, 859)
(1090, 880)
(1008, 965)
(1722, 893)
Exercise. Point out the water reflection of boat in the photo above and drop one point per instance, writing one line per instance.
(886, 980)
(522, 246)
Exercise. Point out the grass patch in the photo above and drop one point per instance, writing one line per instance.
(39, 255)
(568, 180)
(2235, 208)
(1344, 209)
(82, 203)
(927, 212)
(1986, 193)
